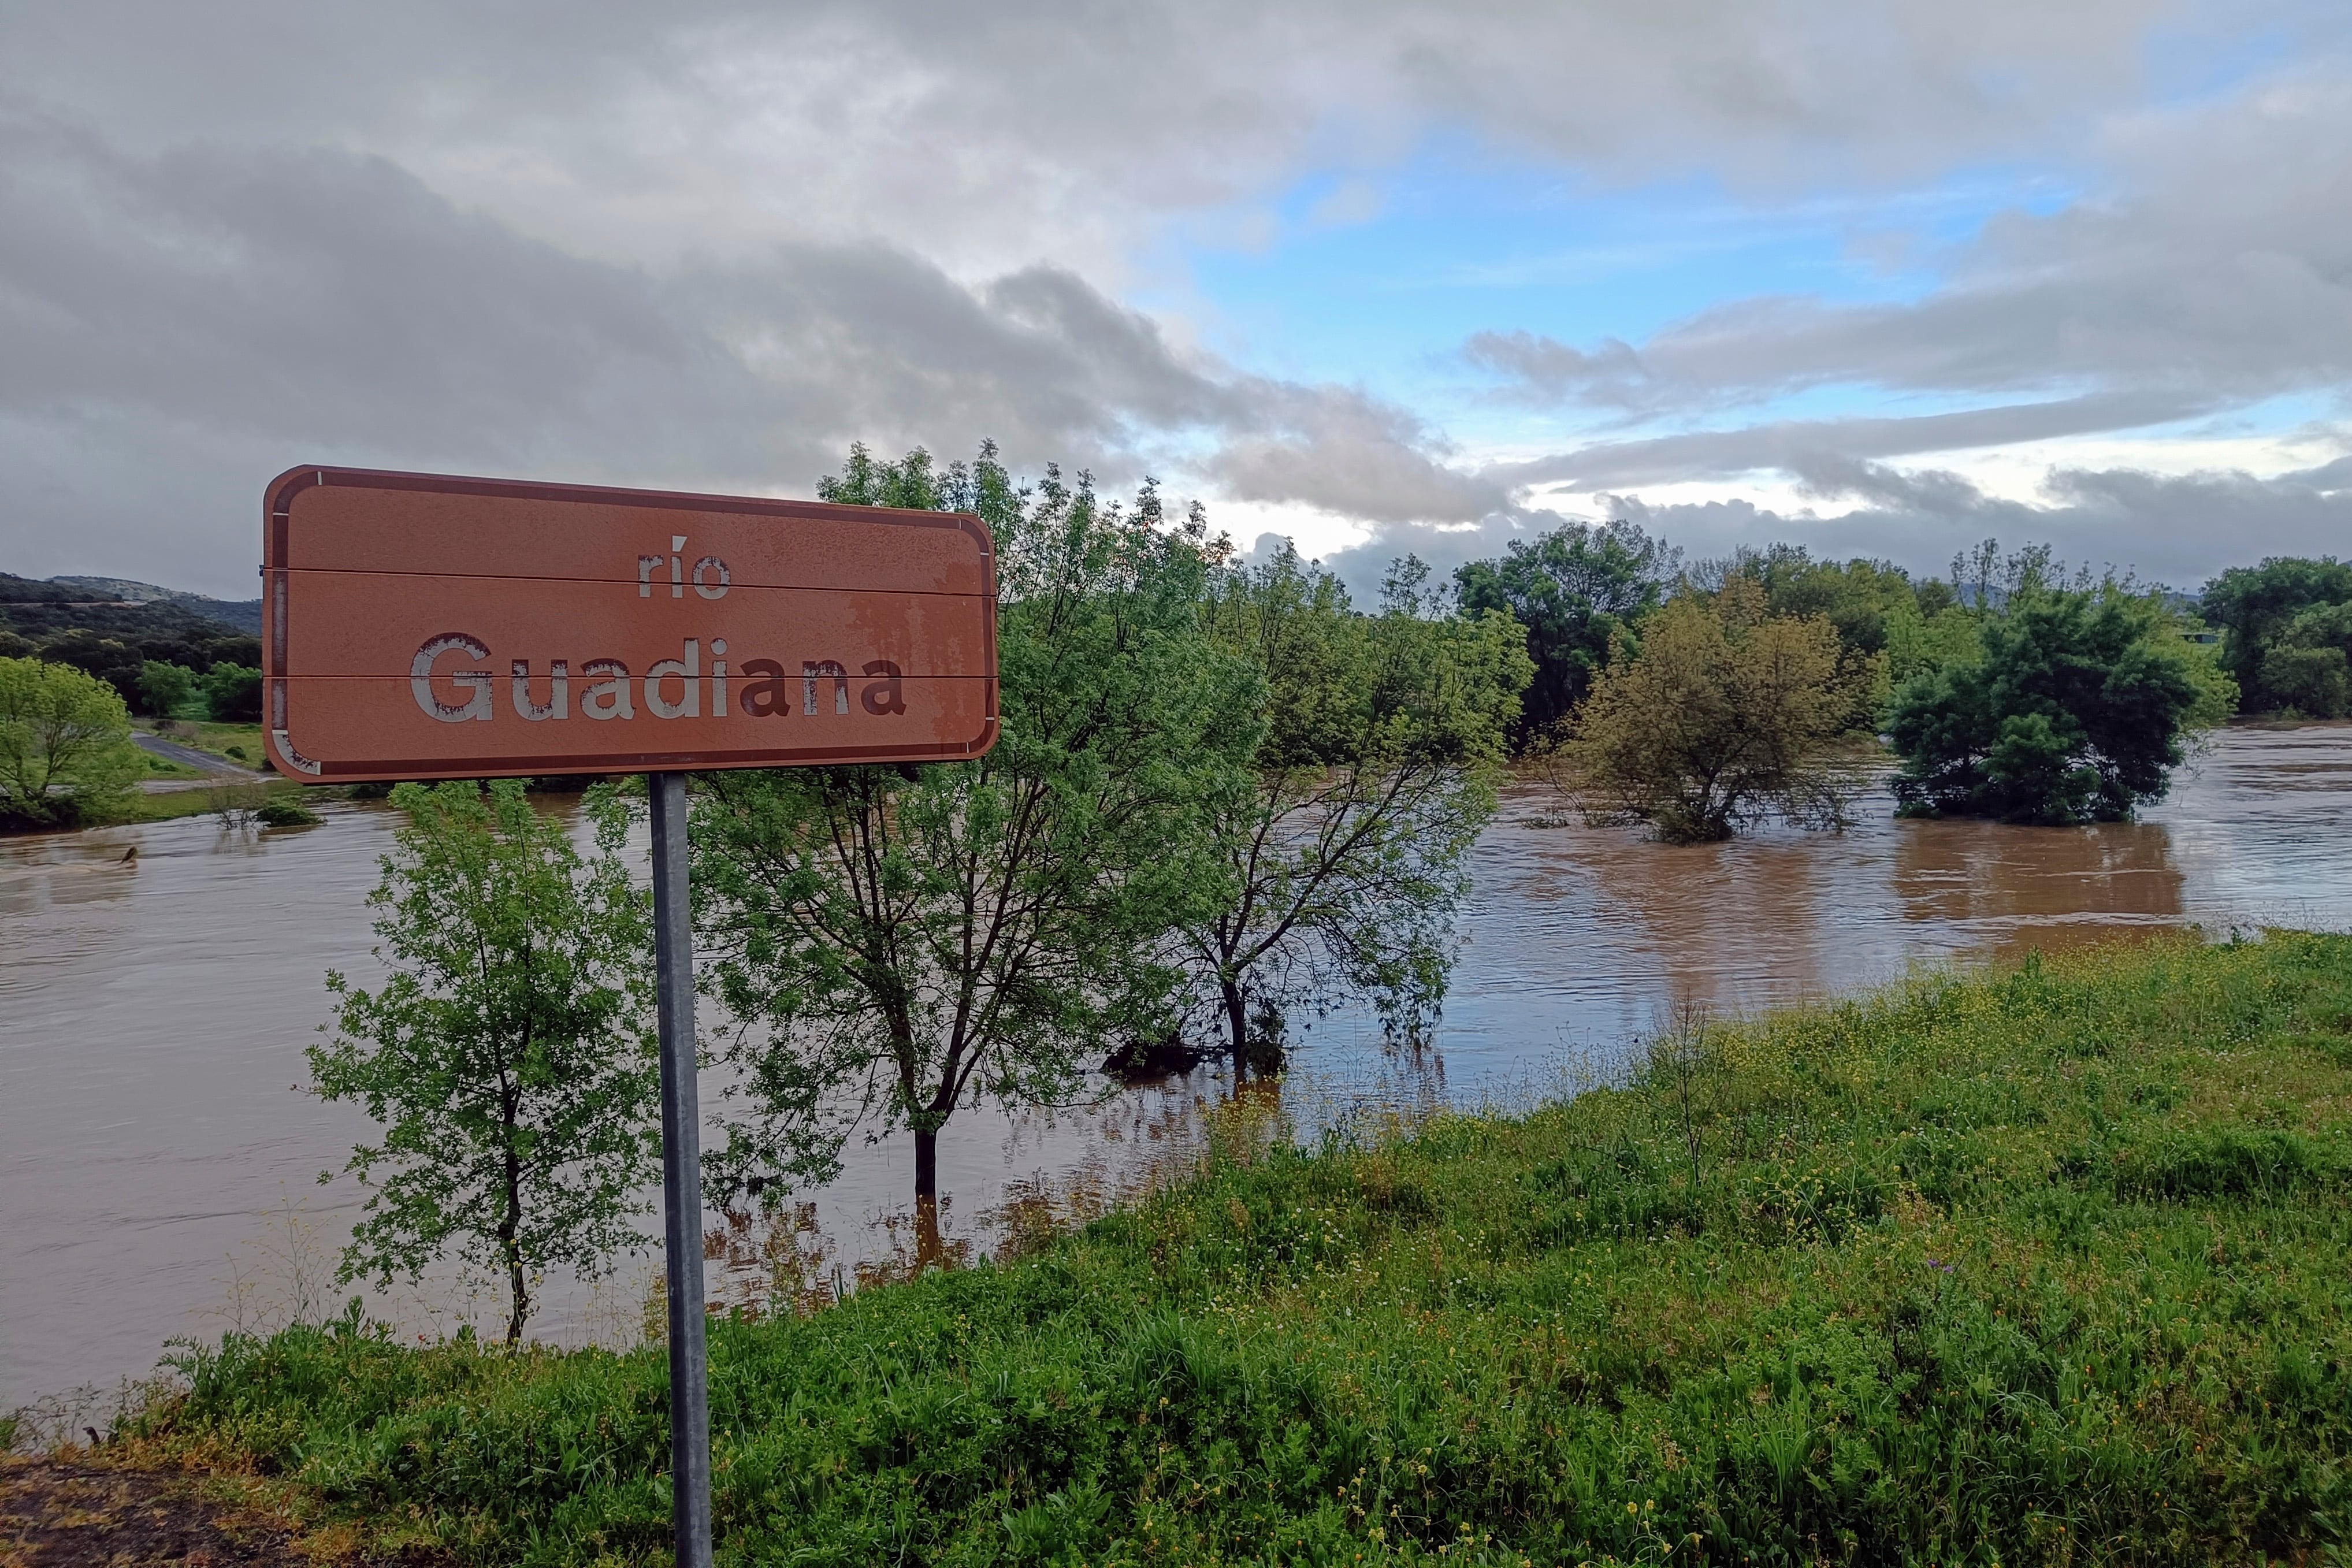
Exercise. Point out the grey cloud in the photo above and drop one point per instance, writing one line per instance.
(2180, 530)
(1934, 492)
(1538, 370)
(1798, 446)
(181, 325)
(322, 297)
(1348, 454)
(998, 132)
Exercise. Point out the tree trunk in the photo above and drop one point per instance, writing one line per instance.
(519, 1296)
(930, 1246)
(926, 1167)
(1238, 1027)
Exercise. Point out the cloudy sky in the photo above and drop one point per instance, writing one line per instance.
(1883, 277)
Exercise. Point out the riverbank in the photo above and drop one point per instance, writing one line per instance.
(2043, 1267)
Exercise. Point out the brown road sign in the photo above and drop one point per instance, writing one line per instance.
(423, 626)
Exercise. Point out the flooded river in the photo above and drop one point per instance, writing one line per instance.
(158, 1163)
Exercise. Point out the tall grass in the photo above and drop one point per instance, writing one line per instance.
(2044, 1268)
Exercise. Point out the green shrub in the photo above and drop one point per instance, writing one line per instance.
(284, 811)
(233, 693)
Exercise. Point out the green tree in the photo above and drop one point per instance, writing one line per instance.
(233, 693)
(66, 753)
(1575, 589)
(1856, 597)
(509, 1055)
(2075, 710)
(1881, 615)
(2256, 609)
(165, 689)
(1342, 849)
(1725, 716)
(111, 659)
(895, 942)
(1930, 631)
(2308, 667)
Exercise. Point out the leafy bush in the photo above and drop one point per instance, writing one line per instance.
(165, 689)
(284, 811)
(233, 693)
(2073, 710)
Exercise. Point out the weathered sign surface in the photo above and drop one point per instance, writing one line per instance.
(420, 626)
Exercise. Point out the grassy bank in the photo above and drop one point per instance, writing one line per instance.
(2044, 1267)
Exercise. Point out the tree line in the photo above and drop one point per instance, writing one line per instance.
(1697, 699)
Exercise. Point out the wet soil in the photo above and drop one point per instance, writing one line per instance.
(55, 1513)
(60, 1513)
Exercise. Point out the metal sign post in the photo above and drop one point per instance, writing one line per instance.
(429, 626)
(689, 1373)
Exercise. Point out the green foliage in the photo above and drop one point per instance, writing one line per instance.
(2046, 1268)
(165, 689)
(895, 941)
(1920, 641)
(2073, 710)
(2277, 631)
(284, 811)
(116, 662)
(1858, 597)
(1575, 589)
(233, 693)
(2308, 668)
(1725, 716)
(507, 1055)
(1342, 850)
(66, 753)
(1889, 628)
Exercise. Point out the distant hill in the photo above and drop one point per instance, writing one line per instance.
(245, 615)
(109, 625)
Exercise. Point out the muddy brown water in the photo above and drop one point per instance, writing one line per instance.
(158, 1165)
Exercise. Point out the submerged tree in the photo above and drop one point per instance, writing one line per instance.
(2075, 710)
(1723, 718)
(1343, 848)
(508, 1054)
(894, 942)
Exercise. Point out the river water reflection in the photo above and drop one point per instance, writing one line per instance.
(152, 1018)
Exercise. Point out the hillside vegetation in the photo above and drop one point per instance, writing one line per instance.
(2044, 1267)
